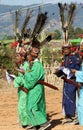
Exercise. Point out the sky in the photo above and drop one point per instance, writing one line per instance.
(29, 2)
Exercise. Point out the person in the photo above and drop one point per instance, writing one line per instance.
(79, 79)
(20, 48)
(22, 96)
(36, 105)
(9, 80)
(69, 91)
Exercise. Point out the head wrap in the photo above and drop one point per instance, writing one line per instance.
(66, 45)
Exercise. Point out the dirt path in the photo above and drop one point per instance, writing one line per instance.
(9, 116)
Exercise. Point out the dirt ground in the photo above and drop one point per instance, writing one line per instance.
(8, 109)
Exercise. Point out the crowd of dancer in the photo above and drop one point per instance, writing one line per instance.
(31, 95)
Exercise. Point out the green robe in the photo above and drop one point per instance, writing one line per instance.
(36, 107)
(22, 96)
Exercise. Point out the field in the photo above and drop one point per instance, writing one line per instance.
(9, 115)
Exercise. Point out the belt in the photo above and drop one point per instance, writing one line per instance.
(40, 82)
(24, 89)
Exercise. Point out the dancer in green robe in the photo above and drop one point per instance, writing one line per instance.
(22, 96)
(36, 106)
(35, 98)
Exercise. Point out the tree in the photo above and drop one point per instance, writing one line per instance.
(72, 33)
(57, 34)
(78, 31)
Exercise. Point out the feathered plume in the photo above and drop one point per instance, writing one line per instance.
(72, 8)
(38, 44)
(28, 16)
(47, 39)
(41, 20)
(61, 7)
(35, 43)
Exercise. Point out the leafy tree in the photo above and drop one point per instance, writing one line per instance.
(10, 37)
(7, 57)
(56, 35)
(78, 31)
(72, 33)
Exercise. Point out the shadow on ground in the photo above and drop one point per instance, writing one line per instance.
(54, 123)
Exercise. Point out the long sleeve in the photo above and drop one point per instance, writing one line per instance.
(19, 80)
(37, 72)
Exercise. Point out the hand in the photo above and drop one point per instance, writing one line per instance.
(31, 63)
(56, 71)
(73, 71)
(20, 70)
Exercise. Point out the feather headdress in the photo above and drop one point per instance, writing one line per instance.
(38, 44)
(28, 16)
(61, 7)
(40, 22)
(72, 8)
(39, 25)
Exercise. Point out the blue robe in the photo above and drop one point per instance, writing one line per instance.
(69, 90)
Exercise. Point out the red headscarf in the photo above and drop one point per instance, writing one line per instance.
(14, 44)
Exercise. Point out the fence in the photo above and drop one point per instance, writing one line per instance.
(51, 77)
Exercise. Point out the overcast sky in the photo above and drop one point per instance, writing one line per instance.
(29, 2)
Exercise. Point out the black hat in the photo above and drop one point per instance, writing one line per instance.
(35, 43)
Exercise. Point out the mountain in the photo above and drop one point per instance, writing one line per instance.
(7, 8)
(7, 17)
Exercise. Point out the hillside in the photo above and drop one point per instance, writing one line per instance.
(7, 20)
(7, 8)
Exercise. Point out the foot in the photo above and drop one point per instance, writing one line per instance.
(32, 128)
(45, 126)
(29, 127)
(70, 121)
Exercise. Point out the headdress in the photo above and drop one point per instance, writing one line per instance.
(39, 25)
(40, 22)
(33, 40)
(66, 45)
(14, 44)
